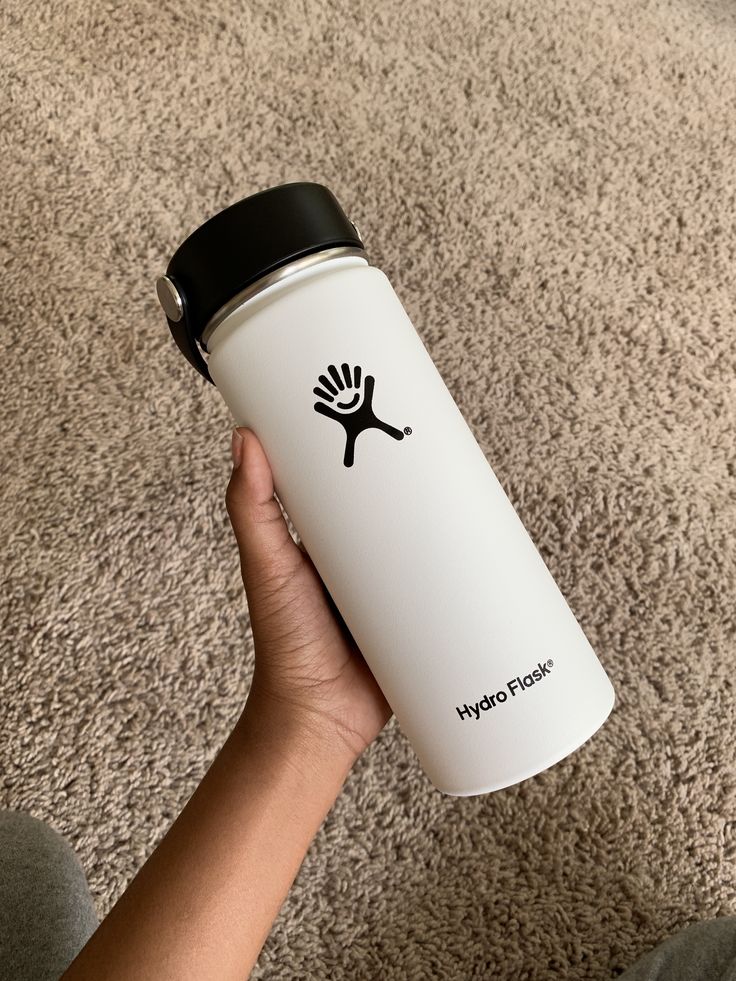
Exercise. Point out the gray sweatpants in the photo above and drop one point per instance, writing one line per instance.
(46, 910)
(47, 915)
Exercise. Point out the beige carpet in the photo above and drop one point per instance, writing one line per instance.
(550, 187)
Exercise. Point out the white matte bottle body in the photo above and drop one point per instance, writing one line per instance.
(420, 548)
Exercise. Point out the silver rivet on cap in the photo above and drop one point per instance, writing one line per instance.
(168, 297)
(357, 230)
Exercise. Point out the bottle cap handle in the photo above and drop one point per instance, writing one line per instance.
(174, 306)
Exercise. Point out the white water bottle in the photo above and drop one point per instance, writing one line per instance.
(486, 668)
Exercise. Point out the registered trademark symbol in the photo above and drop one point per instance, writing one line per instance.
(550, 663)
(407, 430)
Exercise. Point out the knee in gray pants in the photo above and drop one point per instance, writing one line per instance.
(701, 952)
(46, 910)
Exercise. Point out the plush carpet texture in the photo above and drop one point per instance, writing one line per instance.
(550, 187)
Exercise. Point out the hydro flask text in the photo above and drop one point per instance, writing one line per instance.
(513, 688)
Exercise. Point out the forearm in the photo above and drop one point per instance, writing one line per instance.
(203, 904)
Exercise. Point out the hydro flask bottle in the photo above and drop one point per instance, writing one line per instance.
(486, 668)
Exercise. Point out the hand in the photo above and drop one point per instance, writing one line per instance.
(203, 903)
(308, 669)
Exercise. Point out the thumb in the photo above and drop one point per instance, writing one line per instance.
(268, 554)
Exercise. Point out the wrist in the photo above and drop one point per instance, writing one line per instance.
(295, 737)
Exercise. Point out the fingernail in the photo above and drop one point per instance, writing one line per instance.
(236, 447)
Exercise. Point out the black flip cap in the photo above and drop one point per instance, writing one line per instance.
(244, 242)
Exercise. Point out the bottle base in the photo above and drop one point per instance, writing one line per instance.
(556, 757)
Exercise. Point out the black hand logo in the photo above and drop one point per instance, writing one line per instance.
(351, 404)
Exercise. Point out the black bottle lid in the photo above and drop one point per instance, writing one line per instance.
(240, 245)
